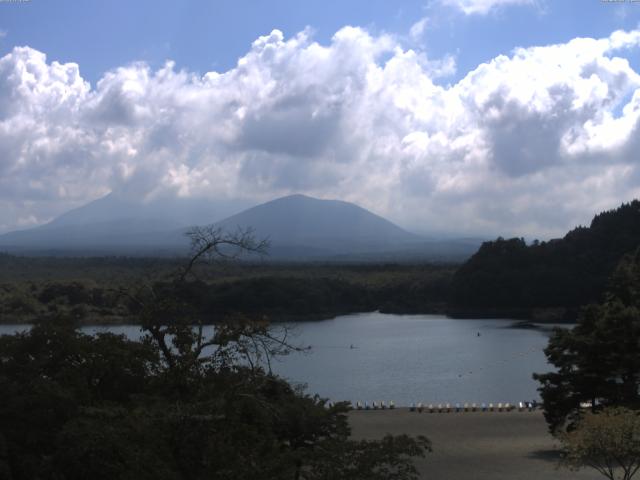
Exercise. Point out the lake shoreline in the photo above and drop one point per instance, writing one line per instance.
(520, 319)
(532, 315)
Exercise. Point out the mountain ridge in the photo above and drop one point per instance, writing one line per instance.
(299, 228)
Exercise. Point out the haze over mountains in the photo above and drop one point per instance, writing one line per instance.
(298, 227)
(119, 225)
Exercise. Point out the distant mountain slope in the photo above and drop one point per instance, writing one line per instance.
(119, 237)
(298, 227)
(567, 272)
(174, 212)
(117, 225)
(328, 225)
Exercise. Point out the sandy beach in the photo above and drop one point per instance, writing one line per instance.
(474, 445)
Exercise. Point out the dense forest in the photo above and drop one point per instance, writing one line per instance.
(556, 277)
(92, 289)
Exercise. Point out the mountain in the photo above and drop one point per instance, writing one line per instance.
(512, 277)
(329, 226)
(116, 224)
(298, 228)
(172, 212)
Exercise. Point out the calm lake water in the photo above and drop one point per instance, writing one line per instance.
(408, 358)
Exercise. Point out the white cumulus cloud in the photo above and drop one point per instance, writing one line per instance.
(528, 143)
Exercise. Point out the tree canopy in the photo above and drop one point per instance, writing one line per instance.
(608, 442)
(598, 361)
(509, 275)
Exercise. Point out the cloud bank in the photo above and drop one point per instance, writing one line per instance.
(529, 143)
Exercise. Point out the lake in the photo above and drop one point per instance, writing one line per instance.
(408, 358)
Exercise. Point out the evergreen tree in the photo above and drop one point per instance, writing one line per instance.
(598, 361)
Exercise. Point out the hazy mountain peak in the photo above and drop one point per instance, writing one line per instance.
(173, 211)
(300, 219)
(298, 227)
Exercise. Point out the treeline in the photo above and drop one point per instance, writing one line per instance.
(291, 298)
(513, 278)
(279, 292)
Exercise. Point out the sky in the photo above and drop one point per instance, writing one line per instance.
(470, 117)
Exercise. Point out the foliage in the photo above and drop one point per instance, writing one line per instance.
(598, 361)
(180, 404)
(568, 272)
(289, 292)
(608, 442)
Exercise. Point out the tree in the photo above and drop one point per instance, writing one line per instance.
(54, 376)
(185, 403)
(598, 361)
(608, 441)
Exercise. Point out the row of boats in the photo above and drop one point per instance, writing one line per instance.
(381, 405)
(473, 407)
(447, 407)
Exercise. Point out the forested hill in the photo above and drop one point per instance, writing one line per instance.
(511, 277)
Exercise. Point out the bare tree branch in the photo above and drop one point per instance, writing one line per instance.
(213, 242)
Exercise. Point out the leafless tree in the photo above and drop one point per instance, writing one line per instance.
(213, 243)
